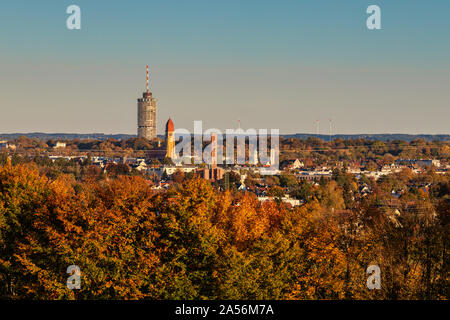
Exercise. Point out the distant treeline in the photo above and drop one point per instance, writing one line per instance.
(325, 137)
(380, 136)
(65, 136)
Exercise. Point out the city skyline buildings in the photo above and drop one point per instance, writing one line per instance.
(272, 65)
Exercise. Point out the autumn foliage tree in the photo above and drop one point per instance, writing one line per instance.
(194, 241)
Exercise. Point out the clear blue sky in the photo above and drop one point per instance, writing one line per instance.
(271, 64)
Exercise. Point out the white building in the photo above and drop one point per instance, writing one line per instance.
(59, 145)
(169, 170)
(285, 199)
(7, 145)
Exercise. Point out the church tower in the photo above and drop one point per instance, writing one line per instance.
(147, 106)
(170, 139)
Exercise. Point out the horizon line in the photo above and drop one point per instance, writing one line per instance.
(281, 134)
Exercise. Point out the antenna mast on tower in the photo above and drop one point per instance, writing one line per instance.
(147, 78)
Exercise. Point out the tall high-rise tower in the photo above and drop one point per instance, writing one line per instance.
(170, 139)
(147, 106)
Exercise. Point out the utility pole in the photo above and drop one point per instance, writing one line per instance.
(330, 128)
